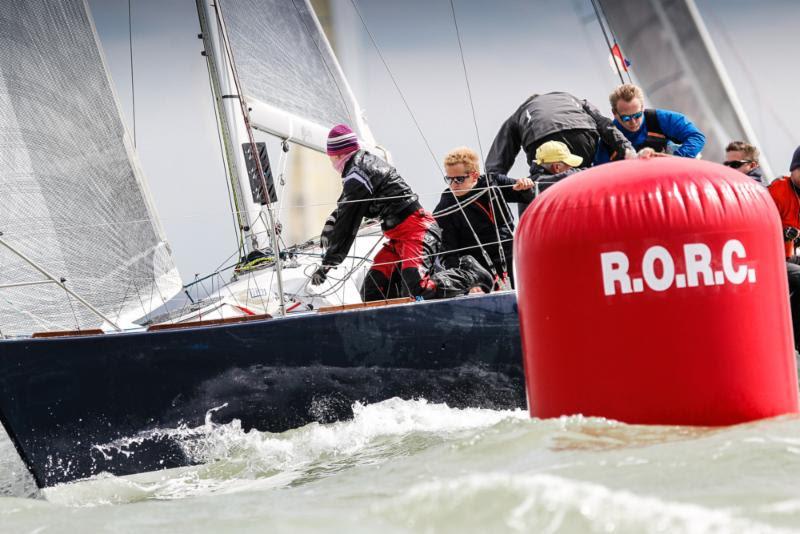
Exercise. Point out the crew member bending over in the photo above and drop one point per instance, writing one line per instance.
(372, 188)
(650, 131)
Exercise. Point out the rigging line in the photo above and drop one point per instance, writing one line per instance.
(322, 57)
(613, 36)
(348, 274)
(71, 307)
(751, 78)
(206, 214)
(443, 253)
(239, 238)
(608, 42)
(493, 199)
(133, 90)
(254, 148)
(396, 86)
(466, 79)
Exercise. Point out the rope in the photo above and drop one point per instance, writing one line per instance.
(613, 37)
(322, 57)
(396, 86)
(233, 202)
(133, 89)
(254, 149)
(608, 42)
(205, 214)
(466, 79)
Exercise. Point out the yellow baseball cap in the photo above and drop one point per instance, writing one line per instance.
(555, 151)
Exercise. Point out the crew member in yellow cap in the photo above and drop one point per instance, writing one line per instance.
(553, 163)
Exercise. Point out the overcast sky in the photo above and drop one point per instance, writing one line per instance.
(512, 49)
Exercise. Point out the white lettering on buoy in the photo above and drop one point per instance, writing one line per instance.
(698, 259)
(661, 255)
(615, 269)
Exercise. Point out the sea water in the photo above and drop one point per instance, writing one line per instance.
(411, 466)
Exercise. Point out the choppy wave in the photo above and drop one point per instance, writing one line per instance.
(407, 466)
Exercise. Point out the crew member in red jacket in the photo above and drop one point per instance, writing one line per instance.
(785, 192)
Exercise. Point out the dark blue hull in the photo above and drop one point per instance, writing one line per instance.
(61, 397)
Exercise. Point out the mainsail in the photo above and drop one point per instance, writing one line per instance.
(290, 77)
(678, 67)
(72, 197)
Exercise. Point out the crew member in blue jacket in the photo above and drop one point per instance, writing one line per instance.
(650, 131)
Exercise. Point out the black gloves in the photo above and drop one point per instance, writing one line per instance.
(327, 230)
(320, 275)
(790, 233)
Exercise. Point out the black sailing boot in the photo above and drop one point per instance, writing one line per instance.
(459, 280)
(480, 276)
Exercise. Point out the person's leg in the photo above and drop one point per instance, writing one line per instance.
(460, 280)
(377, 282)
(793, 275)
(417, 241)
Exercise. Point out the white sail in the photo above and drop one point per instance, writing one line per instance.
(72, 196)
(678, 67)
(290, 77)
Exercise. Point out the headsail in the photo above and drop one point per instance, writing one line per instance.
(289, 74)
(72, 197)
(678, 67)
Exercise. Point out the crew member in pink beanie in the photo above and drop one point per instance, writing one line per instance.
(373, 189)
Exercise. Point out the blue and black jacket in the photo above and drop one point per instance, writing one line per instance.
(663, 131)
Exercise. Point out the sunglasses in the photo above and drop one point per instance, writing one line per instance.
(456, 179)
(735, 164)
(634, 116)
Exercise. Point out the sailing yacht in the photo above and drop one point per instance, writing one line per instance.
(86, 388)
(86, 385)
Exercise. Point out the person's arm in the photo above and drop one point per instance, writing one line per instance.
(601, 155)
(681, 130)
(348, 217)
(507, 184)
(505, 147)
(611, 136)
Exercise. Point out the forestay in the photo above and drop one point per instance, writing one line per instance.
(72, 197)
(678, 67)
(289, 75)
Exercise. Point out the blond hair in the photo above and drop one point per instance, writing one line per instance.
(750, 152)
(626, 92)
(465, 155)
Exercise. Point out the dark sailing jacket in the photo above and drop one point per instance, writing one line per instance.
(488, 218)
(543, 115)
(757, 174)
(380, 193)
(543, 179)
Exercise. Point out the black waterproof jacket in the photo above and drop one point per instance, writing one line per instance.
(488, 218)
(757, 174)
(543, 115)
(380, 193)
(543, 179)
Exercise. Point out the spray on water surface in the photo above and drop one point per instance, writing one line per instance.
(409, 466)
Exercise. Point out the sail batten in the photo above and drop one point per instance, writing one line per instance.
(72, 196)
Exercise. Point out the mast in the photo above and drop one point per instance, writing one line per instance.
(256, 220)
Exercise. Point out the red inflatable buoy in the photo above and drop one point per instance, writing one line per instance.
(655, 291)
